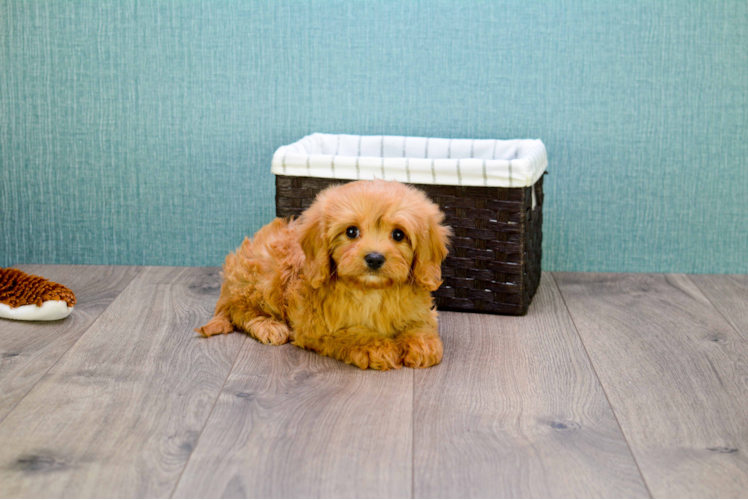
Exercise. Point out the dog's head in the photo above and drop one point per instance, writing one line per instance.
(374, 234)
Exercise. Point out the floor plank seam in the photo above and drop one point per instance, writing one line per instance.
(207, 419)
(732, 325)
(70, 347)
(602, 386)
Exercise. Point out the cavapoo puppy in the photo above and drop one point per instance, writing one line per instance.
(351, 278)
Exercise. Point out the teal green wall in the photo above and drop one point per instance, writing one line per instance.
(142, 132)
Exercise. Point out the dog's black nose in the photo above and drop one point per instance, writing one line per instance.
(374, 260)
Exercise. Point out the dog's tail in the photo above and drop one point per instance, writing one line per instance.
(219, 324)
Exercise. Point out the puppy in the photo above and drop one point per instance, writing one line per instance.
(350, 279)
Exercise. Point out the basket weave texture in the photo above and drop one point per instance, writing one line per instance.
(494, 258)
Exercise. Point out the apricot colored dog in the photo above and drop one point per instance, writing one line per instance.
(350, 279)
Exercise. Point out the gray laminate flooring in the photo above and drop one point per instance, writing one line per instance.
(613, 385)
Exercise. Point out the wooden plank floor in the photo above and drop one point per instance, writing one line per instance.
(676, 375)
(611, 386)
(516, 410)
(29, 349)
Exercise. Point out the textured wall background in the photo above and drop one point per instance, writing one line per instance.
(142, 132)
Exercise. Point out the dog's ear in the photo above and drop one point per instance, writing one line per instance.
(430, 251)
(313, 241)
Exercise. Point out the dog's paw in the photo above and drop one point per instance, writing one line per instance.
(381, 355)
(422, 351)
(216, 326)
(269, 331)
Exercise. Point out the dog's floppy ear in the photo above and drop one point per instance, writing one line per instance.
(430, 251)
(313, 241)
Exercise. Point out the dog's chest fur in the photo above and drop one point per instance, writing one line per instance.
(369, 303)
(375, 309)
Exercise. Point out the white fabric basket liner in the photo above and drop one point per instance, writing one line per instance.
(417, 160)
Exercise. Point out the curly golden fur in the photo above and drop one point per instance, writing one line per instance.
(308, 280)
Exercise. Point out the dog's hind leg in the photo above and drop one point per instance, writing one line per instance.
(216, 326)
(267, 330)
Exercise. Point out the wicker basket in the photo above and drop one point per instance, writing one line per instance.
(493, 264)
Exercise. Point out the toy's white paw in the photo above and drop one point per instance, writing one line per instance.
(49, 311)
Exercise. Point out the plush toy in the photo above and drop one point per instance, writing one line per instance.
(33, 298)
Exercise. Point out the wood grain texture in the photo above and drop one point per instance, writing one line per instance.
(121, 411)
(676, 374)
(29, 349)
(515, 410)
(291, 423)
(728, 293)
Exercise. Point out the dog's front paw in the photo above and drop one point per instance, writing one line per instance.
(422, 351)
(383, 355)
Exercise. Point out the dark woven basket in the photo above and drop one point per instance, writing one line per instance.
(493, 264)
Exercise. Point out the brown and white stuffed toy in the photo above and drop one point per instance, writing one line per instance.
(33, 298)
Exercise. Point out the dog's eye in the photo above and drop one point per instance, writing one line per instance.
(352, 232)
(398, 235)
